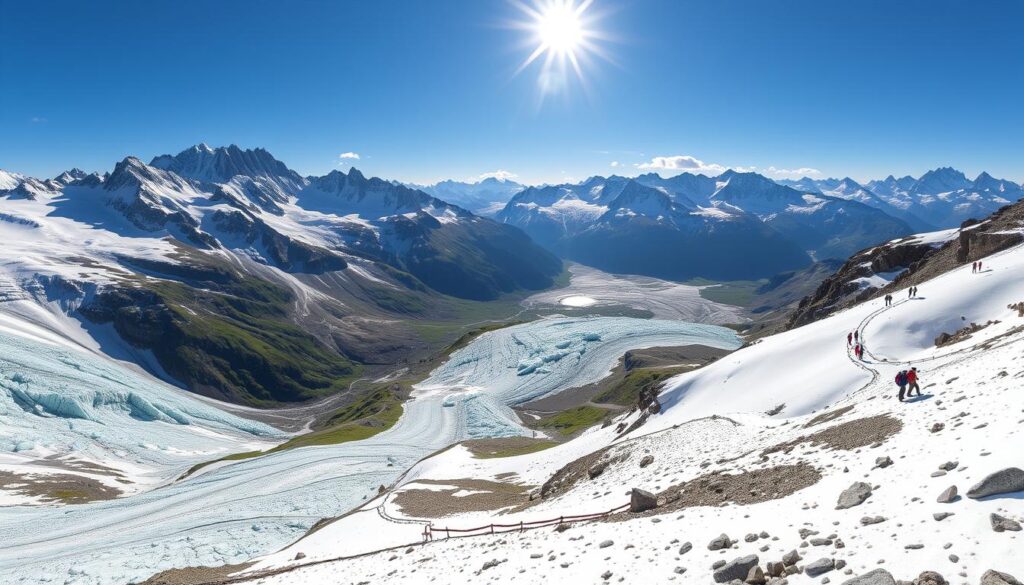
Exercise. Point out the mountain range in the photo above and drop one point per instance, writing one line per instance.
(736, 225)
(939, 199)
(247, 281)
(485, 197)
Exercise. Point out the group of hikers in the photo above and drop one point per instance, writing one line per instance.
(912, 292)
(853, 338)
(976, 267)
(888, 300)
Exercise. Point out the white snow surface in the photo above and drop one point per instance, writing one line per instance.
(714, 419)
(664, 299)
(232, 512)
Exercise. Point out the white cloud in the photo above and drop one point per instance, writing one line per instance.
(791, 173)
(673, 165)
(682, 164)
(38, 120)
(498, 174)
(615, 164)
(349, 156)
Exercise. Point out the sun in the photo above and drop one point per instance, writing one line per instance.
(562, 36)
(559, 27)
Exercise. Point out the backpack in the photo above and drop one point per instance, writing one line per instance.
(901, 378)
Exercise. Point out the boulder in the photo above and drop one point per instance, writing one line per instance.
(597, 469)
(791, 558)
(775, 569)
(876, 577)
(641, 501)
(737, 568)
(854, 495)
(868, 520)
(756, 576)
(687, 547)
(930, 578)
(883, 462)
(719, 542)
(1002, 524)
(996, 578)
(647, 460)
(1004, 481)
(819, 567)
(948, 495)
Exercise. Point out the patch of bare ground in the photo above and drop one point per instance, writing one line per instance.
(743, 489)
(195, 575)
(57, 487)
(845, 436)
(506, 446)
(481, 496)
(828, 416)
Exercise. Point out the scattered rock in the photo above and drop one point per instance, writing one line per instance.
(299, 556)
(597, 469)
(1002, 524)
(937, 427)
(868, 520)
(491, 564)
(756, 576)
(916, 546)
(735, 569)
(949, 465)
(930, 578)
(883, 462)
(606, 575)
(719, 542)
(1004, 481)
(854, 495)
(820, 542)
(819, 567)
(791, 558)
(687, 547)
(876, 577)
(806, 532)
(750, 538)
(647, 460)
(996, 578)
(717, 565)
(775, 569)
(606, 544)
(641, 501)
(948, 495)
(940, 516)
(679, 570)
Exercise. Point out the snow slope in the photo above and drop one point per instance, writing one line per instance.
(231, 513)
(715, 419)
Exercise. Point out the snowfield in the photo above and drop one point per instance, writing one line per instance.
(232, 512)
(662, 298)
(797, 405)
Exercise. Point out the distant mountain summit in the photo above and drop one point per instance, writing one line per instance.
(222, 164)
(485, 197)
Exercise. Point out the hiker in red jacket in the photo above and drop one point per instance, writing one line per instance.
(858, 351)
(912, 383)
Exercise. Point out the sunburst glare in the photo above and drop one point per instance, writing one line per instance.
(563, 37)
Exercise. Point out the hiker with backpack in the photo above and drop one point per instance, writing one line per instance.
(912, 383)
(849, 339)
(901, 381)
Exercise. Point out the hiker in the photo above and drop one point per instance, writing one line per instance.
(849, 339)
(858, 351)
(856, 335)
(910, 292)
(979, 265)
(974, 267)
(912, 383)
(901, 381)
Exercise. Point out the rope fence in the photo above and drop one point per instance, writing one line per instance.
(429, 530)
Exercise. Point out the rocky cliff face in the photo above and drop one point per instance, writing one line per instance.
(906, 262)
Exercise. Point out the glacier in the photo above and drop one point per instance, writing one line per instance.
(231, 513)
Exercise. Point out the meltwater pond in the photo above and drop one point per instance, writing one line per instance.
(252, 507)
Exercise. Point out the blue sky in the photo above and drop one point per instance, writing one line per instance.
(424, 90)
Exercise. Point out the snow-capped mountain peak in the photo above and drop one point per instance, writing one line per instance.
(219, 165)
